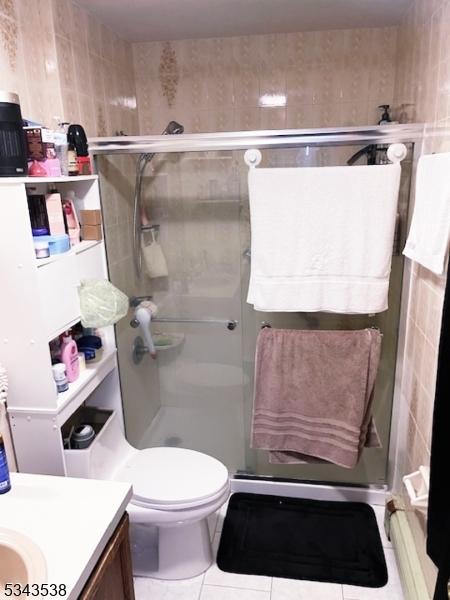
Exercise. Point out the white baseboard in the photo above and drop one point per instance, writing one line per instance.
(369, 495)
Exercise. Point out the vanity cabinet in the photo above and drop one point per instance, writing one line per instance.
(112, 578)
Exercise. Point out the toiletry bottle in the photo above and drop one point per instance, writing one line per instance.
(77, 136)
(55, 212)
(51, 163)
(71, 217)
(61, 146)
(60, 377)
(69, 356)
(72, 165)
(37, 210)
(385, 117)
(5, 483)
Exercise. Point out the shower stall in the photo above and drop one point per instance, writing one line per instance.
(198, 392)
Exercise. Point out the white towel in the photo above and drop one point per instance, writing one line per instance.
(430, 227)
(322, 238)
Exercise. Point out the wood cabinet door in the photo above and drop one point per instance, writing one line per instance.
(112, 578)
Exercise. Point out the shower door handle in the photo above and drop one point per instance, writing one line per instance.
(397, 246)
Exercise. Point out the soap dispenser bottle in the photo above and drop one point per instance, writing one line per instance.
(385, 117)
(5, 483)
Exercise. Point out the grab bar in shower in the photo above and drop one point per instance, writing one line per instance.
(231, 324)
(150, 228)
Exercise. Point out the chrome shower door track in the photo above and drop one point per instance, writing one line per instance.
(242, 140)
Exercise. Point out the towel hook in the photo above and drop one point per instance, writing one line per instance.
(397, 152)
(252, 157)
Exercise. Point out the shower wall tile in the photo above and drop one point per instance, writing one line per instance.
(97, 83)
(28, 64)
(78, 74)
(306, 79)
(422, 94)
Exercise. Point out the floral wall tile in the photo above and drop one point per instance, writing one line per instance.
(168, 73)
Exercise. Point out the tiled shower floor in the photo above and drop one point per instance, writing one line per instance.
(217, 585)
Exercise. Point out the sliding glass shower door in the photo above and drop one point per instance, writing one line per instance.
(198, 393)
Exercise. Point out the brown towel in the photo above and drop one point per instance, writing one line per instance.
(313, 394)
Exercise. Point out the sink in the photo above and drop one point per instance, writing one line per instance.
(21, 560)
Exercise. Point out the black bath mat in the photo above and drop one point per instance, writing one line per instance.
(336, 542)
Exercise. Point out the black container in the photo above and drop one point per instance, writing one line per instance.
(38, 214)
(77, 136)
(13, 153)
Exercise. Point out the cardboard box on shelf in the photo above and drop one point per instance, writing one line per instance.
(91, 217)
(91, 232)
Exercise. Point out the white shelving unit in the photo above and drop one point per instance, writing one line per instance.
(81, 247)
(38, 301)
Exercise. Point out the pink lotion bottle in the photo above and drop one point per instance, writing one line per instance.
(69, 356)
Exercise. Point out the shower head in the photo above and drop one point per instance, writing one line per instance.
(173, 128)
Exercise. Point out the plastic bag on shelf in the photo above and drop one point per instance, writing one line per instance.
(101, 303)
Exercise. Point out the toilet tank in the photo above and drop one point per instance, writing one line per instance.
(101, 459)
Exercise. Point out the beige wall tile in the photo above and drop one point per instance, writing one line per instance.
(62, 72)
(345, 74)
(423, 79)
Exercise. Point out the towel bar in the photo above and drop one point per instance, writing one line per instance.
(267, 325)
(395, 153)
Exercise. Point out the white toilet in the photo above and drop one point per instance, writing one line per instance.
(175, 490)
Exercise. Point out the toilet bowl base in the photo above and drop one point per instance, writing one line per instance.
(178, 552)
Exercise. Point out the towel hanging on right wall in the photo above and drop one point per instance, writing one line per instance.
(430, 227)
(322, 238)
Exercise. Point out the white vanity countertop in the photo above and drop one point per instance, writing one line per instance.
(70, 519)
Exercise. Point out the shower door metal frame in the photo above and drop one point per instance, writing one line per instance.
(294, 138)
(243, 140)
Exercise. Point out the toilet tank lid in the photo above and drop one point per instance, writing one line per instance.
(171, 476)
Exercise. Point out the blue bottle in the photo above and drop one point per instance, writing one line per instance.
(5, 483)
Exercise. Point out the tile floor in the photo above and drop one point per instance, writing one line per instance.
(217, 585)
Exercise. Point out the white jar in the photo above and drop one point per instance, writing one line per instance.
(60, 377)
(41, 249)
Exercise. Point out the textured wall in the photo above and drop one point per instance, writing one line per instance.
(325, 78)
(65, 64)
(423, 81)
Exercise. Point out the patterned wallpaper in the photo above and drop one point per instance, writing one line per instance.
(423, 83)
(64, 63)
(308, 79)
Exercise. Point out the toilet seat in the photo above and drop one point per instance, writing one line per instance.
(173, 478)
